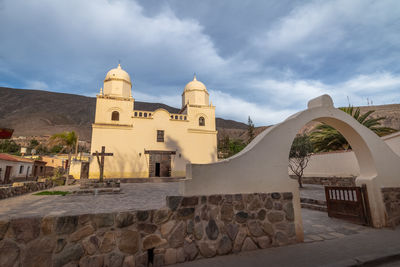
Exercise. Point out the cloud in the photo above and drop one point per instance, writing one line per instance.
(37, 85)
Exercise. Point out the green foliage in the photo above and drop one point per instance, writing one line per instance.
(326, 138)
(52, 193)
(299, 155)
(9, 146)
(228, 147)
(56, 149)
(250, 130)
(33, 144)
(66, 139)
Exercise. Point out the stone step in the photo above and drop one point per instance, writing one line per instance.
(314, 207)
(313, 201)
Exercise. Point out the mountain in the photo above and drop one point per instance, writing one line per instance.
(35, 113)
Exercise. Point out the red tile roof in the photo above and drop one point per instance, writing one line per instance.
(9, 157)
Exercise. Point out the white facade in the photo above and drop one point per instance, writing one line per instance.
(15, 167)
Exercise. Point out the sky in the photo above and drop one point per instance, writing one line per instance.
(263, 59)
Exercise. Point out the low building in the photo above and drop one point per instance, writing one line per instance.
(14, 168)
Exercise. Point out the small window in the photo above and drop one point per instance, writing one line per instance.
(202, 121)
(185, 118)
(115, 116)
(21, 169)
(145, 115)
(176, 117)
(160, 135)
(41, 169)
(140, 114)
(172, 116)
(180, 117)
(135, 114)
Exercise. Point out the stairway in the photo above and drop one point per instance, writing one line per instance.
(313, 204)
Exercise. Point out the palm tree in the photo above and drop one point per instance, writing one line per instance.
(326, 138)
(68, 141)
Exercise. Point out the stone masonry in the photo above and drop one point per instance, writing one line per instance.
(189, 228)
(24, 188)
(391, 198)
(329, 181)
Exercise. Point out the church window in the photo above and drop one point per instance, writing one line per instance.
(202, 121)
(176, 117)
(145, 115)
(180, 117)
(160, 135)
(115, 116)
(185, 118)
(172, 116)
(140, 114)
(135, 114)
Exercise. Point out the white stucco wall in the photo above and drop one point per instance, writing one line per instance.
(342, 164)
(15, 170)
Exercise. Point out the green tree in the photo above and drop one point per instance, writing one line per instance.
(326, 138)
(68, 142)
(9, 146)
(250, 130)
(299, 156)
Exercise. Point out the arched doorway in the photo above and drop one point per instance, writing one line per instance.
(262, 165)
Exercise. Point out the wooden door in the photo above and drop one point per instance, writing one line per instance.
(165, 165)
(7, 174)
(84, 170)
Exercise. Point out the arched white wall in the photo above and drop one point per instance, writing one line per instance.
(263, 165)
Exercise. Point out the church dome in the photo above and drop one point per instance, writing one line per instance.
(118, 74)
(195, 85)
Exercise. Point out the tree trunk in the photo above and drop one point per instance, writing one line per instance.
(68, 167)
(300, 182)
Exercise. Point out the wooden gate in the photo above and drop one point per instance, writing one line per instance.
(348, 203)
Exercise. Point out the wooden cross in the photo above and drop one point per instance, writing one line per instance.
(101, 160)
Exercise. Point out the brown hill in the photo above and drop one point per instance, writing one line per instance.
(35, 113)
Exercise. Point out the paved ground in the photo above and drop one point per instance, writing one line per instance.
(313, 191)
(318, 227)
(135, 196)
(353, 250)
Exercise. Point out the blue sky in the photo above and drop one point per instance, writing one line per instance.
(265, 59)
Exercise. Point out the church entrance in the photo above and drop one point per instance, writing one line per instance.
(159, 163)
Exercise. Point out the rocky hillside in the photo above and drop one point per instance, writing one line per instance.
(35, 113)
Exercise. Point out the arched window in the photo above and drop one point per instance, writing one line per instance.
(115, 116)
(202, 121)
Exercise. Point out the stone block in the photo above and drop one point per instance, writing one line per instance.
(124, 219)
(39, 253)
(47, 225)
(276, 195)
(275, 216)
(25, 229)
(173, 202)
(108, 242)
(264, 241)
(255, 228)
(180, 255)
(72, 252)
(170, 256)
(255, 204)
(91, 261)
(214, 199)
(9, 253)
(227, 212)
(212, 230)
(232, 230)
(249, 245)
(166, 228)
(82, 233)
(129, 242)
(66, 224)
(60, 244)
(289, 211)
(207, 249)
(177, 235)
(241, 217)
(91, 244)
(198, 230)
(153, 241)
(185, 213)
(224, 245)
(103, 220)
(189, 201)
(129, 261)
(240, 237)
(190, 249)
(3, 228)
(142, 215)
(147, 228)
(261, 214)
(113, 259)
(161, 216)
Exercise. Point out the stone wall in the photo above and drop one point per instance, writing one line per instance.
(188, 228)
(329, 181)
(391, 199)
(24, 188)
